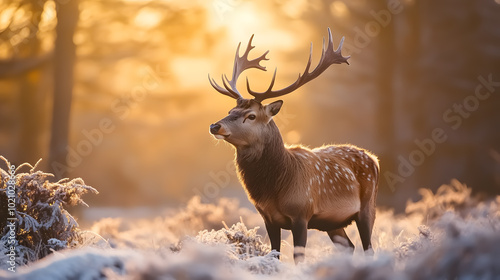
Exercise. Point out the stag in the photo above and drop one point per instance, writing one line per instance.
(297, 188)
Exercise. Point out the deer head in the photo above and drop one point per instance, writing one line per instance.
(250, 122)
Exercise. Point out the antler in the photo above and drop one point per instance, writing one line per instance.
(241, 63)
(328, 57)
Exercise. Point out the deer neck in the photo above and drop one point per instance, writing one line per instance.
(263, 166)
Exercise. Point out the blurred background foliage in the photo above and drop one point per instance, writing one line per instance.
(134, 74)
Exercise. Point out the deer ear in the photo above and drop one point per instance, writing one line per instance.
(273, 108)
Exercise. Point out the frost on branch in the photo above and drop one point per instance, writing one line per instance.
(244, 243)
(453, 197)
(43, 225)
(245, 248)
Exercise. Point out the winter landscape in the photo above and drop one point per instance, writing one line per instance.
(444, 235)
(115, 162)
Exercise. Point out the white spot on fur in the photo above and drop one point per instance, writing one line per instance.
(327, 167)
(331, 181)
(366, 165)
(317, 166)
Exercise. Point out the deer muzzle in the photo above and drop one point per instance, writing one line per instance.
(218, 131)
(214, 128)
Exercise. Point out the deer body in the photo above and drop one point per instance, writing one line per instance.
(319, 186)
(297, 188)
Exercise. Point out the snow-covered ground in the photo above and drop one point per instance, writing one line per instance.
(447, 235)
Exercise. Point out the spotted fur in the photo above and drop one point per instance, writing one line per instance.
(297, 188)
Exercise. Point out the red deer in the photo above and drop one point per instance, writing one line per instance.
(297, 188)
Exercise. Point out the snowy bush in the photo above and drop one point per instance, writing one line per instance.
(174, 224)
(453, 197)
(244, 243)
(43, 225)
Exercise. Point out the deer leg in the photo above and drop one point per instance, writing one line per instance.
(274, 233)
(299, 232)
(364, 222)
(339, 236)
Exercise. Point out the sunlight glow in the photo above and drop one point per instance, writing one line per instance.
(148, 18)
(48, 19)
(293, 137)
(5, 17)
(295, 8)
(242, 22)
(339, 8)
(247, 20)
(191, 72)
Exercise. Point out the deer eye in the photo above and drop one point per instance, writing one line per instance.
(251, 117)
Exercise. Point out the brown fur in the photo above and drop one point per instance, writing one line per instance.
(298, 188)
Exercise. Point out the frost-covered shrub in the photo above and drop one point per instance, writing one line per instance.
(43, 225)
(453, 197)
(244, 243)
(198, 216)
(174, 224)
(418, 243)
(244, 246)
(467, 249)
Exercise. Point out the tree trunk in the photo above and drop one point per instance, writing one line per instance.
(64, 59)
(385, 89)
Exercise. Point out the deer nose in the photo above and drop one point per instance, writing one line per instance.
(214, 128)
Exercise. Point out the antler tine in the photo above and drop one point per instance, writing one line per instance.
(222, 90)
(328, 57)
(241, 63)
